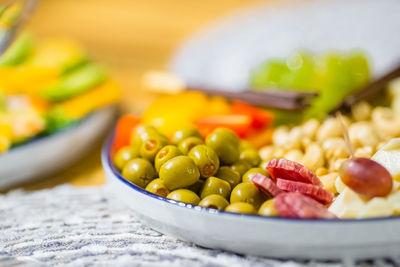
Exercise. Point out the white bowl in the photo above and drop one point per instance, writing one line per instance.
(46, 155)
(251, 234)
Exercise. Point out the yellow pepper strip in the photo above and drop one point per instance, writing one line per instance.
(26, 79)
(81, 105)
(39, 104)
(5, 137)
(57, 53)
(172, 112)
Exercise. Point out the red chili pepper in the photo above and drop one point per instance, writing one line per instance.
(261, 118)
(123, 131)
(241, 124)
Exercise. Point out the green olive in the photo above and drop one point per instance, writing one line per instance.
(246, 178)
(241, 166)
(251, 156)
(268, 208)
(264, 165)
(166, 153)
(225, 143)
(184, 195)
(157, 187)
(185, 133)
(139, 171)
(214, 185)
(241, 207)
(214, 202)
(249, 193)
(243, 145)
(136, 147)
(232, 177)
(179, 172)
(188, 143)
(151, 145)
(196, 187)
(206, 160)
(124, 155)
(141, 133)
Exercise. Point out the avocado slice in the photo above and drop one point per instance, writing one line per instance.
(75, 82)
(19, 51)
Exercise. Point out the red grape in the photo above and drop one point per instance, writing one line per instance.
(366, 177)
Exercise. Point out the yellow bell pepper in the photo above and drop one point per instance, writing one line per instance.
(5, 136)
(172, 112)
(26, 79)
(57, 53)
(81, 105)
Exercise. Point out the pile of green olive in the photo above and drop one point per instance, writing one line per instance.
(214, 172)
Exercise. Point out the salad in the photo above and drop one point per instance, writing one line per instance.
(47, 85)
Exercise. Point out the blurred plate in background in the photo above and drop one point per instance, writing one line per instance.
(46, 155)
(222, 55)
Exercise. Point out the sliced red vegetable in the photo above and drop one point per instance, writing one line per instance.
(313, 191)
(123, 131)
(290, 170)
(241, 124)
(266, 185)
(296, 205)
(261, 118)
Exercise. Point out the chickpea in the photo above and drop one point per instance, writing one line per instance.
(279, 152)
(267, 153)
(310, 128)
(335, 148)
(294, 155)
(295, 136)
(361, 111)
(386, 122)
(280, 136)
(380, 145)
(346, 120)
(364, 152)
(395, 105)
(328, 182)
(394, 87)
(313, 157)
(329, 128)
(321, 171)
(363, 134)
(305, 142)
(336, 164)
(394, 90)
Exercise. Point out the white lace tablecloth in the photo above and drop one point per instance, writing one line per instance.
(84, 227)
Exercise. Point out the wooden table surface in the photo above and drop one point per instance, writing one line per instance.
(130, 37)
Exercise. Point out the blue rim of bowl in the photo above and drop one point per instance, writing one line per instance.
(107, 162)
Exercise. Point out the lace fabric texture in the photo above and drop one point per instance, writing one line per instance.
(72, 226)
